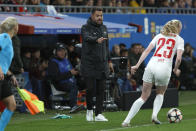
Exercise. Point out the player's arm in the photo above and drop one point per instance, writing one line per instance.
(13, 78)
(142, 57)
(87, 36)
(180, 50)
(145, 54)
(178, 60)
(1, 74)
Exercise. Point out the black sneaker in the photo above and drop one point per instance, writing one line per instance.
(76, 108)
(156, 121)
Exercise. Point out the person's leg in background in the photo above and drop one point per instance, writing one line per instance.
(100, 89)
(73, 94)
(90, 83)
(46, 93)
(34, 83)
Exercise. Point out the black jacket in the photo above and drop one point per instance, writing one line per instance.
(94, 60)
(17, 63)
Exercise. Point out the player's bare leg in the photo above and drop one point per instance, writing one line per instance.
(10, 103)
(146, 91)
(7, 113)
(160, 91)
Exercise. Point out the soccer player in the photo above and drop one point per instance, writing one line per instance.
(8, 28)
(159, 68)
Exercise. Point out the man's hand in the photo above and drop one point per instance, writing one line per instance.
(1, 74)
(14, 81)
(74, 72)
(111, 67)
(100, 40)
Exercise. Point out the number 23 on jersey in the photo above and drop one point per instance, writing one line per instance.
(170, 45)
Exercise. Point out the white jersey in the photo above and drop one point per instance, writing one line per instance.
(159, 68)
(166, 48)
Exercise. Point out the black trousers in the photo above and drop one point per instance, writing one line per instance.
(5, 88)
(91, 85)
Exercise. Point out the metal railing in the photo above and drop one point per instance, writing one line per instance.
(87, 9)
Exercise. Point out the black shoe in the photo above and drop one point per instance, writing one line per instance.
(156, 121)
(76, 108)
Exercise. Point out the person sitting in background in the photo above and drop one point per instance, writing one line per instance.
(37, 73)
(26, 59)
(133, 56)
(115, 51)
(136, 4)
(34, 9)
(78, 2)
(34, 64)
(43, 4)
(72, 56)
(125, 82)
(188, 68)
(122, 46)
(124, 53)
(62, 75)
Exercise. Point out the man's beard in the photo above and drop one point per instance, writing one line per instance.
(99, 22)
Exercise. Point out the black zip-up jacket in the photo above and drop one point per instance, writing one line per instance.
(95, 56)
(17, 63)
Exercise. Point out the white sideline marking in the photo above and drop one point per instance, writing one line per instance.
(121, 128)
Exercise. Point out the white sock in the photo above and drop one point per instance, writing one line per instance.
(134, 109)
(157, 106)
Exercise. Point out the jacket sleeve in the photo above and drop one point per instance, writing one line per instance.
(17, 63)
(17, 56)
(107, 47)
(55, 75)
(87, 36)
(108, 51)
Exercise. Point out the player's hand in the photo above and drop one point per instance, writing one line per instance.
(74, 72)
(100, 40)
(133, 69)
(177, 72)
(14, 81)
(1, 74)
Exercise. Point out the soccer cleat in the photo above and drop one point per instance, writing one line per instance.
(156, 121)
(100, 117)
(124, 124)
(89, 115)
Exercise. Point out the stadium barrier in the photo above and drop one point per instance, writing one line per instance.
(170, 99)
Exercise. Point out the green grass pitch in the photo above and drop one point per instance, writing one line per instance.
(142, 121)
